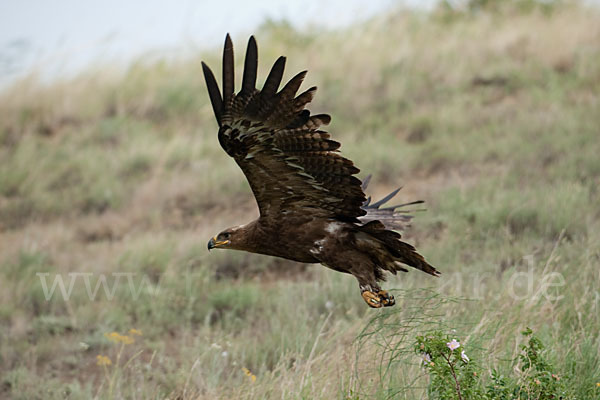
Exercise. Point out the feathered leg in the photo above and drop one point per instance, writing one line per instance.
(367, 273)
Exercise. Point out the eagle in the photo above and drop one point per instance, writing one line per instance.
(312, 206)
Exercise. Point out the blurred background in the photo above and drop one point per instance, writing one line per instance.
(63, 38)
(112, 181)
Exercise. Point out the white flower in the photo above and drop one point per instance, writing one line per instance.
(224, 354)
(453, 344)
(426, 358)
(464, 357)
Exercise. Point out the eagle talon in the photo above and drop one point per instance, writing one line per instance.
(379, 299)
(372, 299)
(386, 299)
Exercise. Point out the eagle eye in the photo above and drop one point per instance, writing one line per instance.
(225, 235)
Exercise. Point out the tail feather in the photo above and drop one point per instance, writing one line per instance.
(405, 253)
(408, 255)
(401, 252)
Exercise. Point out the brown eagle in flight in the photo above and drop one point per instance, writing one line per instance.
(312, 207)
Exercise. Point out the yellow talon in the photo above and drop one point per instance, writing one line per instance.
(379, 299)
(386, 298)
(372, 299)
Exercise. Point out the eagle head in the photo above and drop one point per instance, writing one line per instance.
(230, 238)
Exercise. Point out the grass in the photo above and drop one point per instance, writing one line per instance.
(492, 118)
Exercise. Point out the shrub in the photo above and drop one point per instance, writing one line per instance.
(453, 375)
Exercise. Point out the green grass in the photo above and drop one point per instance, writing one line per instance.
(492, 118)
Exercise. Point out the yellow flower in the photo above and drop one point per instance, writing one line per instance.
(102, 360)
(597, 384)
(134, 331)
(118, 338)
(113, 336)
(249, 374)
(127, 339)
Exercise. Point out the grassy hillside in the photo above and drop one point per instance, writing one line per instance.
(492, 118)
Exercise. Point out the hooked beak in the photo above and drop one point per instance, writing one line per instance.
(212, 243)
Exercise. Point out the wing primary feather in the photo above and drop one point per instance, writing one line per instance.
(213, 92)
(386, 198)
(250, 67)
(324, 119)
(228, 72)
(274, 79)
(365, 183)
(305, 97)
(412, 203)
(290, 88)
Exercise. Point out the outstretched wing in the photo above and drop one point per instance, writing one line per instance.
(291, 165)
(392, 217)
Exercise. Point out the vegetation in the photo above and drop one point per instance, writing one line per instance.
(455, 376)
(114, 182)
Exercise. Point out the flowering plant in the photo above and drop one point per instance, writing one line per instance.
(452, 374)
